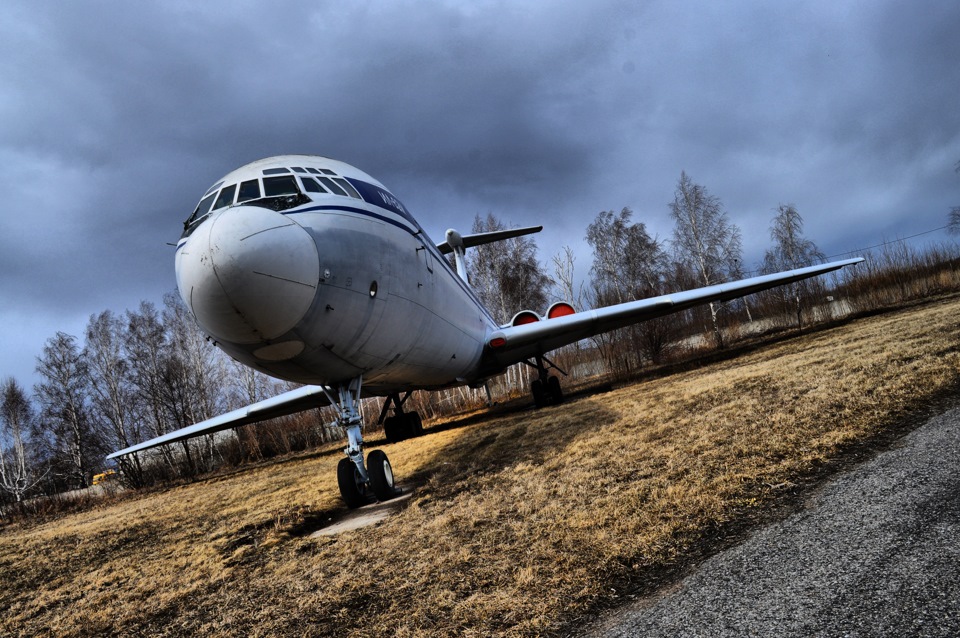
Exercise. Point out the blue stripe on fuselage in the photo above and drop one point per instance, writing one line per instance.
(359, 211)
(383, 198)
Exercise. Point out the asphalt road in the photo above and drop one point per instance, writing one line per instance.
(875, 552)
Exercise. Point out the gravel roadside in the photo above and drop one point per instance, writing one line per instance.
(875, 552)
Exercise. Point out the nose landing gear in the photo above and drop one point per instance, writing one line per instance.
(359, 482)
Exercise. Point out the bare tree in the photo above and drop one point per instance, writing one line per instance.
(704, 239)
(563, 277)
(17, 474)
(953, 221)
(506, 274)
(791, 250)
(196, 371)
(249, 386)
(201, 364)
(628, 264)
(64, 403)
(146, 346)
(565, 289)
(114, 405)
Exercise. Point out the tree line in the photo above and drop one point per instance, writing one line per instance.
(629, 264)
(150, 371)
(134, 376)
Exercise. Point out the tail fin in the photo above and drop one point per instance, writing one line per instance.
(458, 244)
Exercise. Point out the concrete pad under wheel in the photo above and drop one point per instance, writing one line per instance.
(365, 516)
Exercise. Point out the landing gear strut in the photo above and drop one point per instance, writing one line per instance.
(546, 388)
(402, 425)
(358, 481)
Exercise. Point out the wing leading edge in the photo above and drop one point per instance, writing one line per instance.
(510, 345)
(298, 400)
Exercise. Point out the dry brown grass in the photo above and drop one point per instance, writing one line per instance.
(521, 523)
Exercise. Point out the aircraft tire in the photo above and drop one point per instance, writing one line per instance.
(539, 393)
(381, 475)
(554, 391)
(393, 428)
(352, 490)
(414, 424)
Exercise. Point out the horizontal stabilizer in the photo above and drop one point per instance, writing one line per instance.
(485, 238)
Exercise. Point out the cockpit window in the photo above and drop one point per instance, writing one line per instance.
(202, 208)
(274, 186)
(249, 190)
(333, 187)
(347, 187)
(275, 171)
(313, 170)
(213, 189)
(297, 169)
(226, 196)
(327, 171)
(311, 186)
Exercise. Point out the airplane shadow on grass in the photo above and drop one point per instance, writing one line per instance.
(480, 451)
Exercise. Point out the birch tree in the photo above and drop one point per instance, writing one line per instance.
(791, 250)
(114, 404)
(704, 239)
(953, 220)
(146, 345)
(506, 274)
(563, 278)
(628, 264)
(17, 474)
(63, 395)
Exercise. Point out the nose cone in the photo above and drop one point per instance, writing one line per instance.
(249, 274)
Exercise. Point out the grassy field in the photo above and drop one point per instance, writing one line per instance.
(522, 523)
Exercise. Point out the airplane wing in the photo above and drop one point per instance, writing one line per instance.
(298, 400)
(510, 345)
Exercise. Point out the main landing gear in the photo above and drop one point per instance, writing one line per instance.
(546, 388)
(402, 425)
(359, 482)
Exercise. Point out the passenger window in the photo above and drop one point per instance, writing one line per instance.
(276, 186)
(311, 186)
(347, 187)
(226, 196)
(249, 190)
(333, 187)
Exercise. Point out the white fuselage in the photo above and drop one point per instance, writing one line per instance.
(328, 287)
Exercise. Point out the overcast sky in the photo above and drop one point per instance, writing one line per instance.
(116, 116)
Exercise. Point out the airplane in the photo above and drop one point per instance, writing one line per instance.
(310, 270)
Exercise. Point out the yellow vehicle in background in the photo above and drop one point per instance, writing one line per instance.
(104, 477)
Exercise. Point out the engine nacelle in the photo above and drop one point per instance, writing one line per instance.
(524, 317)
(560, 309)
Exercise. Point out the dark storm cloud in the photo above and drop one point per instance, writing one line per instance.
(118, 115)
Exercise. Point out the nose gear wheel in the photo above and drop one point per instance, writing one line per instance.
(358, 481)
